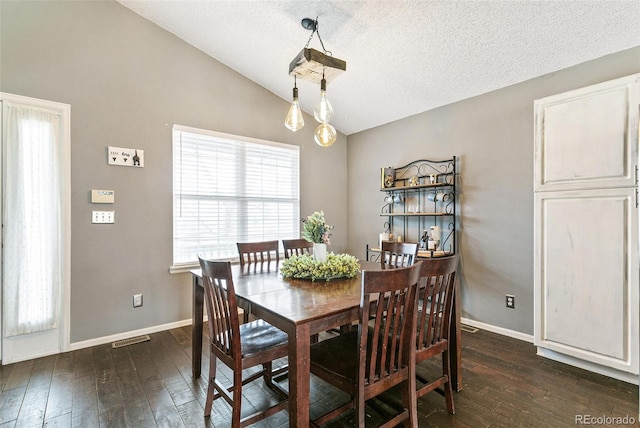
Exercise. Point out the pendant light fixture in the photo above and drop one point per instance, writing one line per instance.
(325, 135)
(317, 67)
(323, 111)
(294, 120)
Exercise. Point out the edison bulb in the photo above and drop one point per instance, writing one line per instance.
(323, 111)
(294, 120)
(325, 135)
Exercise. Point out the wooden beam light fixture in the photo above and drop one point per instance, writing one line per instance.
(317, 67)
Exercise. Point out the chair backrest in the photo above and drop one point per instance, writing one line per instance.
(435, 296)
(258, 253)
(222, 309)
(398, 253)
(388, 313)
(296, 247)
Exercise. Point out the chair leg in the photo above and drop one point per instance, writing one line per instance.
(236, 406)
(268, 376)
(211, 388)
(448, 392)
(410, 398)
(360, 410)
(245, 314)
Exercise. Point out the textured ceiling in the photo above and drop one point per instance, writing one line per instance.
(403, 57)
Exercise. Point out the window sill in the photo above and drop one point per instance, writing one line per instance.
(188, 267)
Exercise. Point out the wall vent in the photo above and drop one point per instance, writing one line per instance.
(468, 328)
(130, 341)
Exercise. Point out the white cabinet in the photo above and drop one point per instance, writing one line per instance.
(586, 225)
(587, 138)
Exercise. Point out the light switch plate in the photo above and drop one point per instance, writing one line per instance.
(103, 217)
(102, 196)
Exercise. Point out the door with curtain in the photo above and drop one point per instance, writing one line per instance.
(35, 227)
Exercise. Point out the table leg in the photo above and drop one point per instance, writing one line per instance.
(197, 313)
(299, 376)
(455, 343)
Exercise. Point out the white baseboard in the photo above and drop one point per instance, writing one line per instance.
(108, 339)
(499, 330)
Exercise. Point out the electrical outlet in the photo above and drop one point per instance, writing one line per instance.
(137, 300)
(510, 301)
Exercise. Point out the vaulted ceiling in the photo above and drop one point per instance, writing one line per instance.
(403, 57)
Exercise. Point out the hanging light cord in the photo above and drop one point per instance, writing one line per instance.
(316, 30)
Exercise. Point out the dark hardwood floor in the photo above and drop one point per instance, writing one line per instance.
(149, 384)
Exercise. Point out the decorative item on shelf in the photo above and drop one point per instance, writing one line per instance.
(432, 244)
(385, 237)
(388, 177)
(440, 197)
(434, 238)
(424, 240)
(433, 178)
(307, 267)
(316, 230)
(414, 180)
(412, 203)
(317, 67)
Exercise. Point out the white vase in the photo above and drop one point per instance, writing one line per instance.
(320, 251)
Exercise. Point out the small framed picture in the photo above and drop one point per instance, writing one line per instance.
(388, 177)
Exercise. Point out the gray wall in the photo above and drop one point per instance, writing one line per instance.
(492, 136)
(128, 82)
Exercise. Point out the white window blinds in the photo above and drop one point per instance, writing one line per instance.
(230, 189)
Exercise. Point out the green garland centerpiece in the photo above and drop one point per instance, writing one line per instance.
(319, 266)
(306, 267)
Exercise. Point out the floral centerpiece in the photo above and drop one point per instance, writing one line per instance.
(315, 229)
(306, 267)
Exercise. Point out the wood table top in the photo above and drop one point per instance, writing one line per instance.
(298, 300)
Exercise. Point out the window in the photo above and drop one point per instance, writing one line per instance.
(229, 189)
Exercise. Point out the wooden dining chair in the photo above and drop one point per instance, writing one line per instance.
(258, 254)
(398, 253)
(239, 346)
(380, 354)
(436, 297)
(296, 247)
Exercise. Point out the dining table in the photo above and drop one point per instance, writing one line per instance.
(301, 308)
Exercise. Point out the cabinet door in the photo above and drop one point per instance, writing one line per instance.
(587, 138)
(586, 275)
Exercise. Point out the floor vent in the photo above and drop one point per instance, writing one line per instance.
(468, 328)
(130, 341)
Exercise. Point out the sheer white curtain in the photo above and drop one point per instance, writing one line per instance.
(32, 252)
